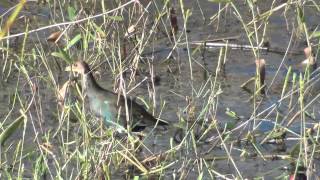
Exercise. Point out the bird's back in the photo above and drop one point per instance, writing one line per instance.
(110, 106)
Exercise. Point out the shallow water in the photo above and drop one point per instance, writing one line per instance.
(175, 86)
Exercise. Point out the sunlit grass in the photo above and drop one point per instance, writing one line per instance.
(42, 139)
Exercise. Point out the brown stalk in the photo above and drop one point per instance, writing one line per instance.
(261, 72)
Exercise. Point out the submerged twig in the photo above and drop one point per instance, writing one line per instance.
(244, 47)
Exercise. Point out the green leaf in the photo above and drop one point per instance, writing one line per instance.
(39, 168)
(315, 34)
(10, 130)
(278, 133)
(301, 16)
(63, 55)
(115, 18)
(200, 176)
(12, 19)
(230, 125)
(71, 13)
(99, 30)
(76, 39)
(232, 114)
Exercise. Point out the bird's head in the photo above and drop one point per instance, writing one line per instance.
(80, 67)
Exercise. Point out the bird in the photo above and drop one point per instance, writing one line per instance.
(111, 106)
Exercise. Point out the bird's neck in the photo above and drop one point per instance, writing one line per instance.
(89, 83)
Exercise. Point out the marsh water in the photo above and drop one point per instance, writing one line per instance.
(187, 76)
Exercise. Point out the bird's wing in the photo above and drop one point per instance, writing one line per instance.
(137, 113)
(141, 116)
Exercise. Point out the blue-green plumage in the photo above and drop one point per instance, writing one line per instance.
(111, 107)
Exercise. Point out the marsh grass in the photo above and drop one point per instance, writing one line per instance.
(42, 140)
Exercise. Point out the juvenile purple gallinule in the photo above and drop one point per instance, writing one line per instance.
(111, 106)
